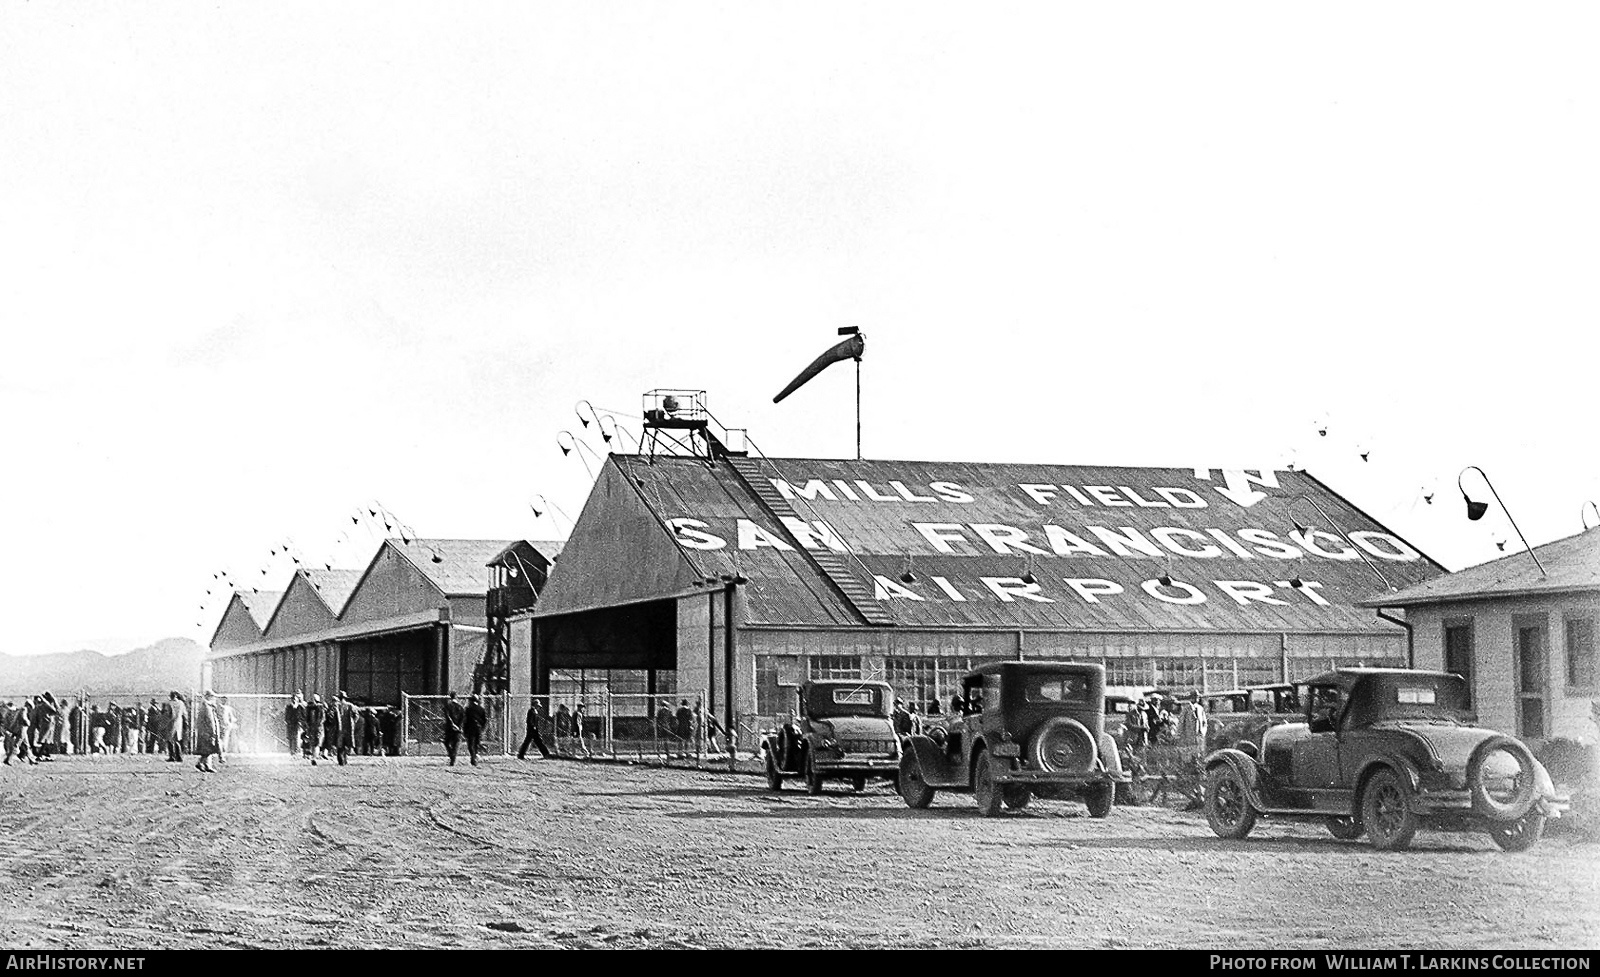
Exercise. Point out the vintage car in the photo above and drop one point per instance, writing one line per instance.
(1245, 714)
(842, 731)
(1381, 752)
(1026, 729)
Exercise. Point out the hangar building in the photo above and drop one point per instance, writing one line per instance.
(415, 620)
(915, 571)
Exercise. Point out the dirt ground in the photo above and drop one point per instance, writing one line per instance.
(134, 853)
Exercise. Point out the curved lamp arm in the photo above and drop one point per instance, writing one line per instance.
(1475, 510)
(1583, 514)
(1342, 535)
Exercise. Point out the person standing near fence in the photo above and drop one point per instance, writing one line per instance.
(316, 723)
(454, 716)
(474, 719)
(16, 730)
(369, 730)
(294, 723)
(389, 729)
(177, 714)
(578, 718)
(349, 720)
(154, 727)
(533, 737)
(207, 732)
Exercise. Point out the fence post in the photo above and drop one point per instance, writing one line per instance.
(505, 723)
(611, 732)
(405, 723)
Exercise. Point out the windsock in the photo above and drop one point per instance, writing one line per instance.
(850, 349)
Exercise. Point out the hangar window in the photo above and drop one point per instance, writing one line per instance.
(914, 679)
(834, 666)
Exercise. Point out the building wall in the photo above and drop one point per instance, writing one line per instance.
(305, 668)
(393, 586)
(236, 628)
(924, 665)
(1493, 624)
(520, 651)
(300, 611)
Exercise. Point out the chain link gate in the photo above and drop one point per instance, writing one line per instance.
(422, 724)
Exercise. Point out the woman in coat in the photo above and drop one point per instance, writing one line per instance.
(207, 733)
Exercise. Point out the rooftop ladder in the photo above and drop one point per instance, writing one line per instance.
(839, 569)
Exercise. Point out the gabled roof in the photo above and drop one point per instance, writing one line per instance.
(548, 548)
(334, 586)
(1572, 565)
(260, 604)
(456, 566)
(1094, 539)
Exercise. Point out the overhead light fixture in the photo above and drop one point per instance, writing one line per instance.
(437, 558)
(907, 575)
(1583, 514)
(1475, 511)
(1296, 582)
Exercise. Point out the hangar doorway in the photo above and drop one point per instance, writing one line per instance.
(622, 650)
(376, 670)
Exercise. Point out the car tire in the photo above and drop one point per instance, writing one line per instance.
(858, 784)
(913, 789)
(984, 788)
(1015, 796)
(1063, 745)
(1346, 829)
(1100, 799)
(1388, 811)
(1526, 793)
(1519, 835)
(774, 778)
(813, 778)
(1228, 807)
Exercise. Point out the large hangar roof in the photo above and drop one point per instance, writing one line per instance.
(1042, 547)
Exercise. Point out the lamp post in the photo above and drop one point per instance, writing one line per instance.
(1475, 510)
(1306, 531)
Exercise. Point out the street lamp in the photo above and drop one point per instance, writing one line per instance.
(1305, 532)
(1475, 510)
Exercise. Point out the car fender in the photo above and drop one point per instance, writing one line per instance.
(1110, 760)
(1246, 768)
(937, 770)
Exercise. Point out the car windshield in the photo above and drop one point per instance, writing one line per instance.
(847, 700)
(1056, 688)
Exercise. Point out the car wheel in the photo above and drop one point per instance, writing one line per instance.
(1100, 799)
(1387, 811)
(858, 784)
(1518, 835)
(984, 787)
(1346, 829)
(1490, 796)
(774, 778)
(1228, 807)
(913, 790)
(813, 779)
(1015, 796)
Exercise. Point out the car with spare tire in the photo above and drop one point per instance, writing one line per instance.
(1382, 752)
(1023, 730)
(842, 730)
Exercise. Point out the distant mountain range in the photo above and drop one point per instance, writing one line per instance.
(171, 663)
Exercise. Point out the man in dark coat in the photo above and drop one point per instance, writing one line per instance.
(207, 732)
(316, 724)
(389, 729)
(294, 722)
(176, 712)
(369, 731)
(684, 727)
(534, 738)
(475, 719)
(348, 719)
(454, 716)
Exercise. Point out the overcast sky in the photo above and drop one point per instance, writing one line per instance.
(264, 263)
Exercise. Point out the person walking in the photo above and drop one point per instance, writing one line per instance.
(683, 728)
(294, 723)
(389, 729)
(16, 732)
(579, 718)
(207, 732)
(154, 727)
(474, 719)
(176, 712)
(533, 737)
(76, 730)
(369, 730)
(230, 729)
(347, 718)
(454, 716)
(316, 726)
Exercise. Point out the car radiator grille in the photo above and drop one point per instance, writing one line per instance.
(867, 746)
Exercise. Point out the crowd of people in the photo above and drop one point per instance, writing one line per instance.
(332, 730)
(41, 728)
(1162, 719)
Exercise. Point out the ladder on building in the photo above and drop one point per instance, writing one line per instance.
(838, 569)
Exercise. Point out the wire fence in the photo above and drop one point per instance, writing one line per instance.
(594, 724)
